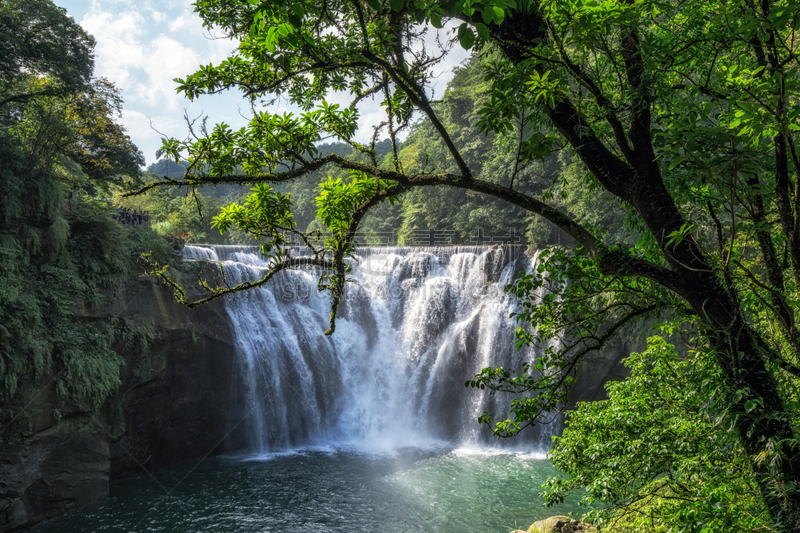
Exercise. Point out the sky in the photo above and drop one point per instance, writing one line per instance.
(142, 45)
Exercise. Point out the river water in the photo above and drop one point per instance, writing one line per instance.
(381, 433)
(330, 491)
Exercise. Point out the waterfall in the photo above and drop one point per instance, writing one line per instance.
(414, 325)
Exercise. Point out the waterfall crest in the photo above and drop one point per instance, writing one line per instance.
(414, 325)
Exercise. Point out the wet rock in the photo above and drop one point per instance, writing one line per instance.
(176, 242)
(181, 399)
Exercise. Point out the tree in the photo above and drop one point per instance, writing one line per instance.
(58, 133)
(685, 112)
(38, 39)
(79, 133)
(487, 155)
(652, 454)
(58, 126)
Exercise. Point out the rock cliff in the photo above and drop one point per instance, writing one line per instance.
(178, 401)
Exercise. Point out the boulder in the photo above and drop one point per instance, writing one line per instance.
(560, 524)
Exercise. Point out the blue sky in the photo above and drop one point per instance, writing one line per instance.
(142, 45)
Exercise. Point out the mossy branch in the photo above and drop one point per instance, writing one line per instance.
(214, 292)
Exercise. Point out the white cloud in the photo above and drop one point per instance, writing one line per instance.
(119, 48)
(143, 62)
(168, 60)
(143, 44)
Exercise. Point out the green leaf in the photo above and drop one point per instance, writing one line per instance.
(483, 31)
(295, 21)
(465, 36)
(677, 161)
(397, 5)
(499, 14)
(375, 4)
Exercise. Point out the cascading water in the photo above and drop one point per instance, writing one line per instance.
(415, 324)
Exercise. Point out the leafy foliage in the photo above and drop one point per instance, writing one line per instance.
(576, 311)
(264, 214)
(43, 338)
(39, 40)
(656, 454)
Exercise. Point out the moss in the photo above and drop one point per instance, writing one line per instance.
(43, 337)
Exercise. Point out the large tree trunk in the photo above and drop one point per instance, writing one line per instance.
(758, 411)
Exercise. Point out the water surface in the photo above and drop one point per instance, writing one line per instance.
(327, 491)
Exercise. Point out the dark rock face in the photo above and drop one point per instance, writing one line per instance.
(51, 473)
(179, 401)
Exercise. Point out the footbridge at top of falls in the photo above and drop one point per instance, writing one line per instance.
(500, 254)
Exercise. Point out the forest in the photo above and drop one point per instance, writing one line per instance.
(646, 150)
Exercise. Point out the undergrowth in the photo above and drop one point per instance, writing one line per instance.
(46, 334)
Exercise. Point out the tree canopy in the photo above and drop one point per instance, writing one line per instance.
(685, 113)
(37, 39)
(60, 137)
